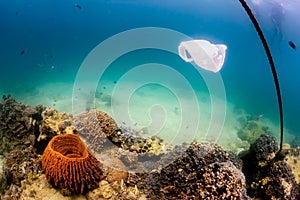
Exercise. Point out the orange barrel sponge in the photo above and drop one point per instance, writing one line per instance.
(69, 165)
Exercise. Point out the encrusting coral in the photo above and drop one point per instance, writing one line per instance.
(203, 171)
(293, 159)
(268, 176)
(130, 139)
(68, 164)
(19, 124)
(18, 165)
(95, 127)
(54, 122)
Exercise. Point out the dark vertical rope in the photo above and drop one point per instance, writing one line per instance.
(272, 65)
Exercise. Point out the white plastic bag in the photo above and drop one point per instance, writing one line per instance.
(203, 53)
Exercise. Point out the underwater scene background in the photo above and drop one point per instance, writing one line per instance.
(44, 44)
(76, 56)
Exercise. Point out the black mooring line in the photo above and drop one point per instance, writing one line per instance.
(272, 65)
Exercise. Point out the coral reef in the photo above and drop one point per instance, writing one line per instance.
(132, 140)
(2, 178)
(264, 149)
(111, 187)
(19, 165)
(106, 123)
(278, 183)
(137, 153)
(186, 171)
(202, 171)
(268, 175)
(200, 167)
(19, 124)
(54, 123)
(222, 180)
(293, 160)
(40, 189)
(69, 165)
(95, 127)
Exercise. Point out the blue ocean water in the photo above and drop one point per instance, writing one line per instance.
(47, 41)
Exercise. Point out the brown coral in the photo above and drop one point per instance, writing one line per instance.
(96, 127)
(69, 165)
(201, 171)
(54, 122)
(19, 124)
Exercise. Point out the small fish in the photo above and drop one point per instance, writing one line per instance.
(259, 117)
(292, 44)
(169, 188)
(78, 6)
(22, 52)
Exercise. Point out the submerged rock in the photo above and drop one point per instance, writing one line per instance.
(293, 159)
(203, 171)
(100, 130)
(278, 182)
(264, 149)
(19, 124)
(2, 178)
(95, 127)
(133, 141)
(53, 123)
(268, 176)
(222, 181)
(20, 164)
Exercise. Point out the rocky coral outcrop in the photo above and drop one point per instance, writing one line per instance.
(53, 123)
(264, 149)
(19, 124)
(95, 127)
(69, 165)
(202, 171)
(133, 141)
(268, 175)
(222, 181)
(293, 159)
(20, 164)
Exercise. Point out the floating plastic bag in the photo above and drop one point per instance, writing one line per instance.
(203, 53)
